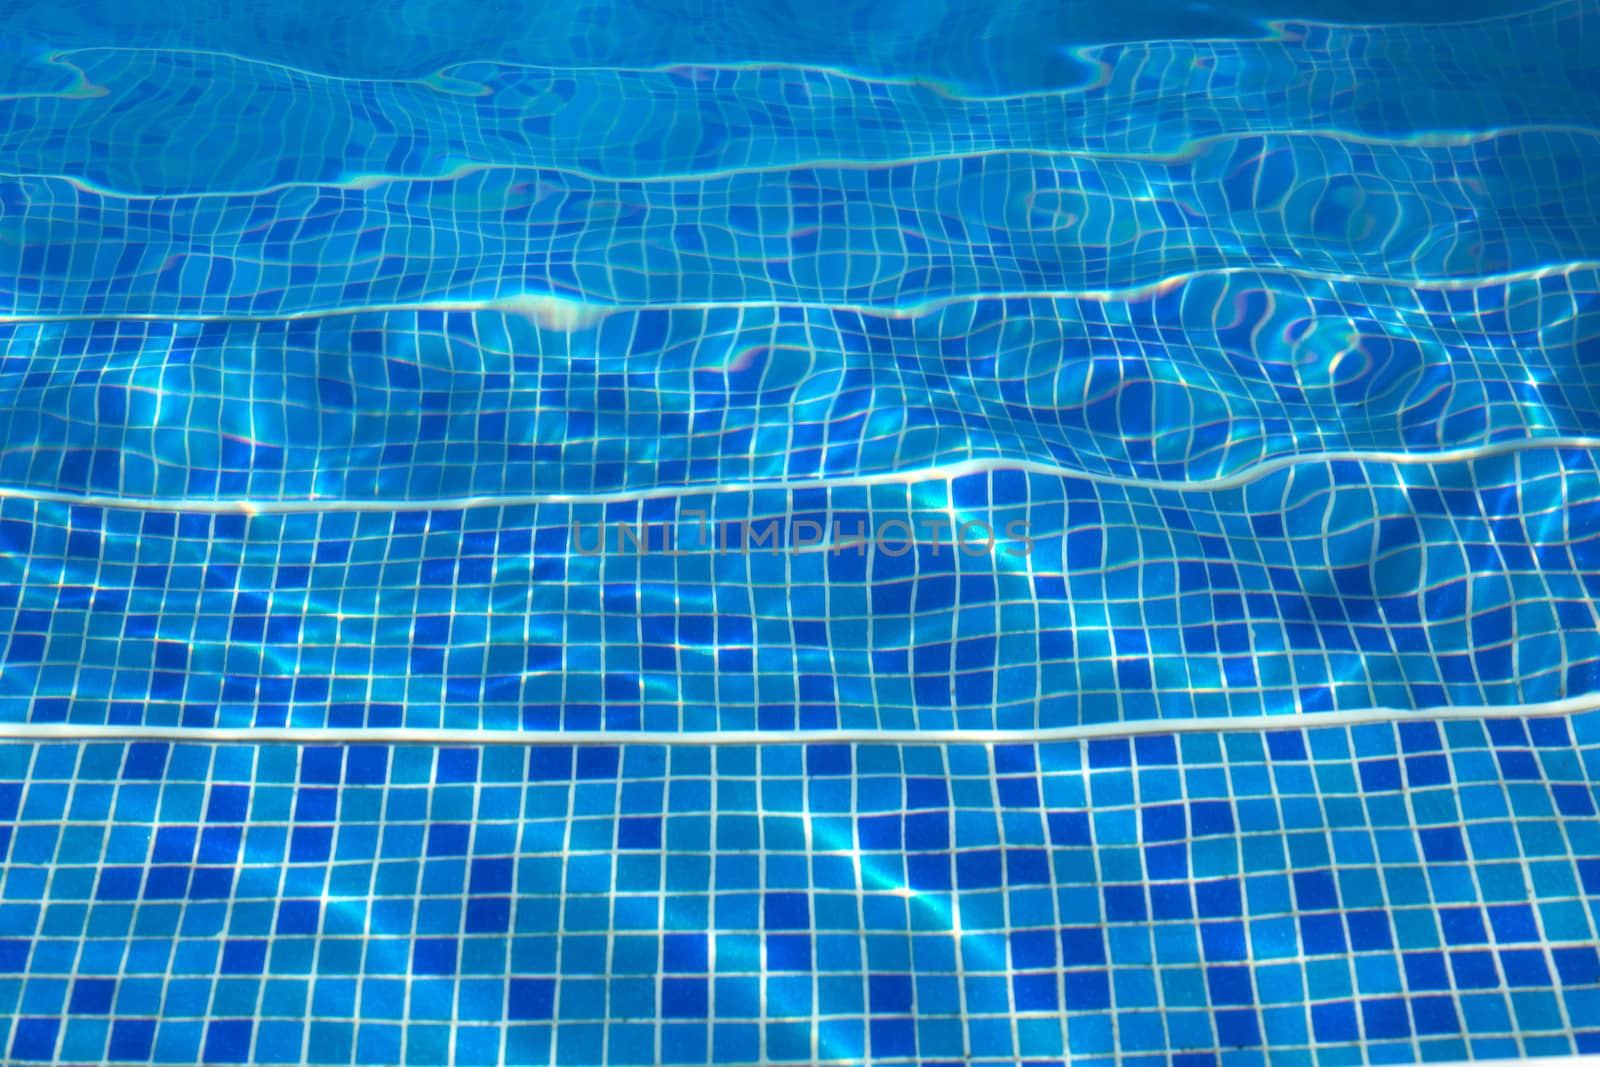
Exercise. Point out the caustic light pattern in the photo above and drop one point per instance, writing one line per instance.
(1263, 730)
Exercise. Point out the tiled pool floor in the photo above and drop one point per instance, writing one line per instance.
(1379, 893)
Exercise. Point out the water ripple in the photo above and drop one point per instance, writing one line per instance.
(146, 121)
(891, 236)
(1200, 381)
(1333, 586)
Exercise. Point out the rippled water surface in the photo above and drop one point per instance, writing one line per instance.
(687, 533)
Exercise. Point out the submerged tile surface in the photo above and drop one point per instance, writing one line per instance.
(1382, 893)
(729, 534)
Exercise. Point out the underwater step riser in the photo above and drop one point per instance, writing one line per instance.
(92, 114)
(894, 237)
(1318, 587)
(1206, 380)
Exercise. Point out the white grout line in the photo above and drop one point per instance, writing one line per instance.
(311, 735)
(1182, 151)
(938, 472)
(568, 313)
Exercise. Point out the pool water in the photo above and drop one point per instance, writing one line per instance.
(687, 533)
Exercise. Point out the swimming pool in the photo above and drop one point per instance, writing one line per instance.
(738, 534)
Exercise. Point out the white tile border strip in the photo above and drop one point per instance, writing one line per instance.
(1532, 1061)
(939, 472)
(566, 313)
(330, 735)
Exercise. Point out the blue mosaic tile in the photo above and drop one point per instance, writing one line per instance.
(1111, 604)
(413, 406)
(646, 904)
(359, 99)
(894, 236)
(487, 508)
